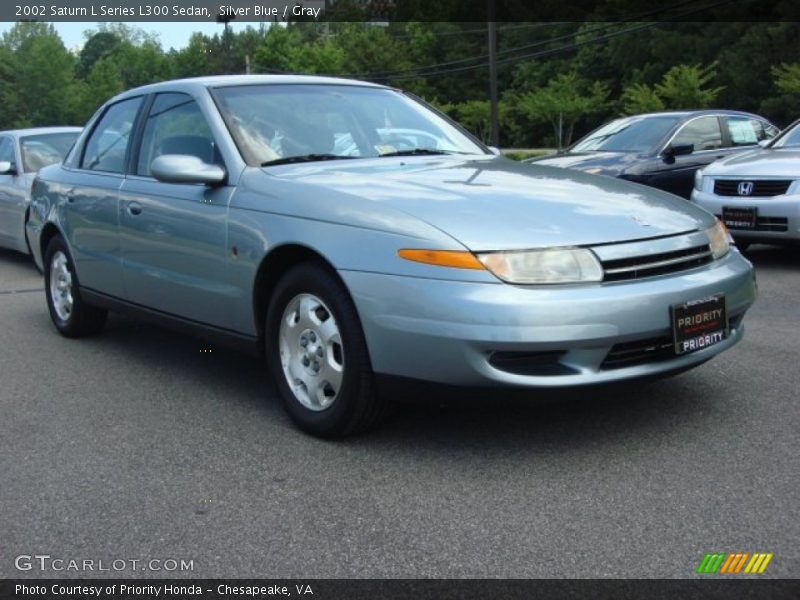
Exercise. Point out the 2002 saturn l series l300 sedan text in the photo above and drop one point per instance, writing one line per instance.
(350, 231)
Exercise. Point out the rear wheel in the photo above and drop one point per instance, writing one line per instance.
(70, 314)
(318, 355)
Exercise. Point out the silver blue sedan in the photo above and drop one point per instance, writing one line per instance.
(354, 235)
(22, 153)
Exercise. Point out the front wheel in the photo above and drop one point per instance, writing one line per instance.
(318, 356)
(69, 313)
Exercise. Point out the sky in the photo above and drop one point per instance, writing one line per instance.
(172, 35)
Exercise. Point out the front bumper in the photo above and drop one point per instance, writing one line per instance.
(778, 216)
(452, 332)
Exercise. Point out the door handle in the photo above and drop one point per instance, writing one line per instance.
(134, 208)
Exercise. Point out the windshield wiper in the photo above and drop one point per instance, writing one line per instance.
(420, 152)
(304, 158)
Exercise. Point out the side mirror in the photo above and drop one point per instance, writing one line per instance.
(764, 143)
(184, 168)
(670, 152)
(495, 150)
(7, 168)
(679, 149)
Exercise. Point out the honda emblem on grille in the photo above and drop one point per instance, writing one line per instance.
(745, 188)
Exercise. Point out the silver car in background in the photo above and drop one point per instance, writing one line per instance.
(22, 153)
(756, 194)
(354, 236)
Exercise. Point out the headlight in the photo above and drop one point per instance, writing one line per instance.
(719, 240)
(698, 180)
(556, 265)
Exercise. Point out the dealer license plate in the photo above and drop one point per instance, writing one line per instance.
(740, 217)
(699, 324)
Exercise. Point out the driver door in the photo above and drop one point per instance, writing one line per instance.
(174, 235)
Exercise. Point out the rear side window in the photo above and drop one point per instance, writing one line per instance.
(108, 144)
(176, 125)
(704, 133)
(745, 131)
(7, 150)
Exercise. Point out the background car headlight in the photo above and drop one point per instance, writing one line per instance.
(552, 265)
(719, 240)
(698, 180)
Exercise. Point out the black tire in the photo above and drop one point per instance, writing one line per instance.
(356, 407)
(83, 319)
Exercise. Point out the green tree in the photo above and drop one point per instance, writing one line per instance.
(44, 71)
(640, 98)
(563, 101)
(475, 115)
(685, 86)
(97, 46)
(298, 48)
(9, 99)
(787, 78)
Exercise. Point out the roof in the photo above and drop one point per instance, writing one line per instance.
(39, 131)
(195, 83)
(694, 112)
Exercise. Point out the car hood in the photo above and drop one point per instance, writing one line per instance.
(494, 203)
(778, 162)
(603, 163)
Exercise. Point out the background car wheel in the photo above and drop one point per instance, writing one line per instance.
(318, 356)
(70, 314)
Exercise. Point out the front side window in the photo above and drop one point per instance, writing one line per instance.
(106, 148)
(704, 133)
(176, 125)
(39, 151)
(276, 123)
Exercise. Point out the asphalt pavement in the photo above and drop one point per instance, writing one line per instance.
(142, 444)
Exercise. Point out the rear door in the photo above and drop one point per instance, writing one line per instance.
(174, 236)
(92, 199)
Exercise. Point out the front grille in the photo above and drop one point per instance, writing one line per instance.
(639, 352)
(656, 264)
(764, 224)
(761, 188)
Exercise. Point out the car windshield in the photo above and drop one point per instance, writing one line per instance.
(275, 124)
(631, 134)
(41, 150)
(789, 139)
